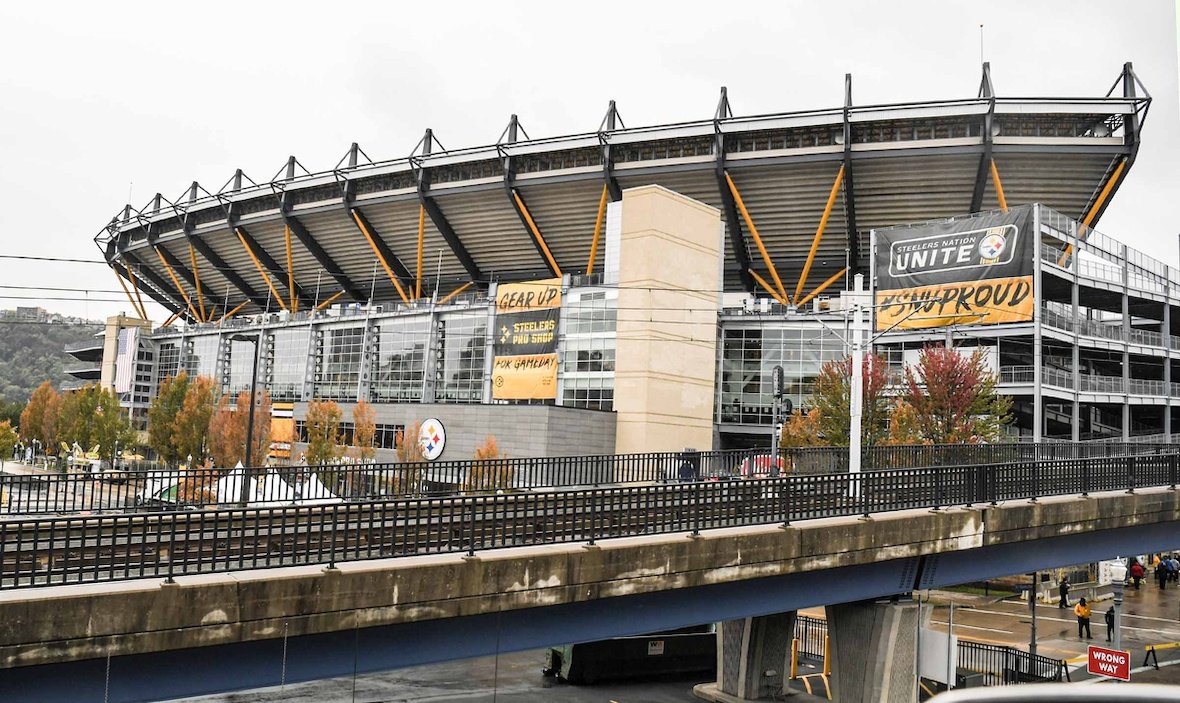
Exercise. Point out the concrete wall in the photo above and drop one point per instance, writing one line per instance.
(720, 575)
(665, 360)
(520, 430)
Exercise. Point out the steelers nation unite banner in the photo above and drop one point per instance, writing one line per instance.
(971, 271)
(525, 364)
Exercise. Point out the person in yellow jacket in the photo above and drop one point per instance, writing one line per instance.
(1082, 610)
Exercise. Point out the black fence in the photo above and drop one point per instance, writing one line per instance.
(123, 490)
(86, 549)
(1001, 664)
(996, 664)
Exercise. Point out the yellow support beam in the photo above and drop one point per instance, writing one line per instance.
(737, 198)
(135, 287)
(261, 270)
(192, 256)
(170, 320)
(819, 234)
(176, 282)
(130, 299)
(769, 289)
(329, 301)
(999, 187)
(822, 287)
(1089, 218)
(597, 230)
(233, 312)
(377, 252)
(528, 217)
(421, 242)
(450, 296)
(290, 269)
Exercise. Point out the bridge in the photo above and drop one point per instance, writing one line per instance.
(121, 603)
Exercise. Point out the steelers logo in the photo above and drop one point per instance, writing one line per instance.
(499, 381)
(991, 246)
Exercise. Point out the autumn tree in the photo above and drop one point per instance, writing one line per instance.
(489, 471)
(832, 398)
(39, 418)
(228, 430)
(162, 415)
(92, 416)
(323, 432)
(364, 421)
(8, 440)
(802, 430)
(953, 399)
(190, 427)
(408, 447)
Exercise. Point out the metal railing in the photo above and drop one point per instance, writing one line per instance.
(92, 549)
(1002, 664)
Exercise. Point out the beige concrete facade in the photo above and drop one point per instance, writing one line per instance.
(110, 344)
(669, 259)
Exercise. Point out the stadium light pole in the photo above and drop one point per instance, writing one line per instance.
(254, 339)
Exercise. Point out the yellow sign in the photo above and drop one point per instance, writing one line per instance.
(992, 301)
(524, 377)
(528, 296)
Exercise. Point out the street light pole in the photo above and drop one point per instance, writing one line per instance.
(1118, 574)
(246, 468)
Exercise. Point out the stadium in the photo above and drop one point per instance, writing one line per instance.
(681, 262)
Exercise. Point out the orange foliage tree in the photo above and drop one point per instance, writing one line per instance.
(489, 471)
(39, 418)
(227, 430)
(953, 399)
(364, 421)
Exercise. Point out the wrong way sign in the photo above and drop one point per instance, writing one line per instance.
(1109, 662)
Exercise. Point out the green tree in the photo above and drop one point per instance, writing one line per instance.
(92, 416)
(323, 432)
(832, 394)
(162, 416)
(953, 399)
(8, 440)
(39, 418)
(11, 410)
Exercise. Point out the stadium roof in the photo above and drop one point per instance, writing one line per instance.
(524, 208)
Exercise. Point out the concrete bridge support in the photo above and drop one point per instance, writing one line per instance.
(753, 656)
(874, 651)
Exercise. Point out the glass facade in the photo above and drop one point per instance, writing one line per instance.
(167, 360)
(288, 364)
(202, 360)
(401, 359)
(341, 354)
(460, 375)
(588, 361)
(241, 366)
(748, 357)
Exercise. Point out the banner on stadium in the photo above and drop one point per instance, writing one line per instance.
(973, 271)
(525, 364)
(525, 377)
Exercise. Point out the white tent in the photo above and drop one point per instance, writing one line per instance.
(229, 487)
(274, 491)
(316, 493)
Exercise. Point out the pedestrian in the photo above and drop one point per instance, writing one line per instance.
(1137, 573)
(1161, 574)
(1109, 623)
(1174, 568)
(1063, 591)
(1083, 612)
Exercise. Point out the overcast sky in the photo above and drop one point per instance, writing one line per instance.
(98, 100)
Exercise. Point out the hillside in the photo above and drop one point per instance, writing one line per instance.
(31, 352)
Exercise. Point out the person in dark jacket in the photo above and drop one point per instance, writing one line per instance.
(1161, 574)
(1063, 591)
(1109, 623)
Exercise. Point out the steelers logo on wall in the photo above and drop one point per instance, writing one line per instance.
(432, 437)
(991, 246)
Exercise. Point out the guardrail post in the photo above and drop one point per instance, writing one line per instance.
(332, 546)
(696, 513)
(593, 513)
(1036, 481)
(471, 532)
(1087, 468)
(1172, 471)
(937, 488)
(786, 490)
(991, 482)
(1131, 473)
(171, 549)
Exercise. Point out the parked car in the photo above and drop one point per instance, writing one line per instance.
(762, 466)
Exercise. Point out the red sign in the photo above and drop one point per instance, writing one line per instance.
(1109, 662)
